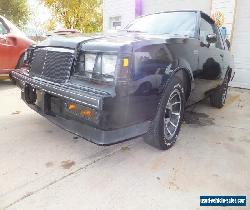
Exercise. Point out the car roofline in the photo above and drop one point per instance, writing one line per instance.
(169, 11)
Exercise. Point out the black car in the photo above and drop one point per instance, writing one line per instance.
(113, 87)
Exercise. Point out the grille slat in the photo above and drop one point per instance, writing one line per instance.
(52, 64)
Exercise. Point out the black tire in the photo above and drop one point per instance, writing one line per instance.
(218, 98)
(156, 135)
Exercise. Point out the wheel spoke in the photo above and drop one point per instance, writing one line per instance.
(175, 103)
(175, 113)
(172, 96)
(173, 124)
(169, 131)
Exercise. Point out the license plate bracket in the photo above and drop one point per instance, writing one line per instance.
(43, 101)
(30, 94)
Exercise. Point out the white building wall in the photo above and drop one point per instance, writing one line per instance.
(152, 6)
(126, 8)
(227, 8)
(118, 8)
(241, 45)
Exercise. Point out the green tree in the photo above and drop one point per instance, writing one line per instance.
(16, 11)
(84, 15)
(49, 25)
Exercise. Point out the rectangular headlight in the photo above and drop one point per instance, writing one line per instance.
(28, 55)
(109, 64)
(99, 63)
(90, 62)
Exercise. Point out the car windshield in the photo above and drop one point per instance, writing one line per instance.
(182, 23)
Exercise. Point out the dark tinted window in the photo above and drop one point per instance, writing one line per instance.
(183, 23)
(205, 29)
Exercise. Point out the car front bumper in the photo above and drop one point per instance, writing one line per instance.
(86, 128)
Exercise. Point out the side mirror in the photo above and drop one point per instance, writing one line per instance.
(211, 38)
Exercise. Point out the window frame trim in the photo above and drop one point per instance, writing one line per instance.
(210, 21)
(5, 25)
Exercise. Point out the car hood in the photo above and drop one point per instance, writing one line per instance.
(109, 41)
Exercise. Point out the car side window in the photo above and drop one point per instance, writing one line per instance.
(3, 29)
(205, 29)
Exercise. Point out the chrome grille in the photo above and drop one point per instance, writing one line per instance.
(53, 64)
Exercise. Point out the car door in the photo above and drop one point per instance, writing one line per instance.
(7, 47)
(3, 45)
(210, 56)
(209, 73)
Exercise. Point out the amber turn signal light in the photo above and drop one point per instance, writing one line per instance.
(72, 106)
(86, 113)
(125, 62)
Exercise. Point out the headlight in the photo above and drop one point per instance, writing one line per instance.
(109, 64)
(25, 56)
(90, 62)
(28, 55)
(100, 64)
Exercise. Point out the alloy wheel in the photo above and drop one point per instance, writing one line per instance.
(172, 114)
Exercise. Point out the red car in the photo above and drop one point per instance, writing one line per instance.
(13, 44)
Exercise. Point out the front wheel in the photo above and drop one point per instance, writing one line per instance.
(166, 125)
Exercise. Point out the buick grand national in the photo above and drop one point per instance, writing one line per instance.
(109, 88)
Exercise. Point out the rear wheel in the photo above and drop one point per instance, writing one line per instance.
(218, 98)
(166, 125)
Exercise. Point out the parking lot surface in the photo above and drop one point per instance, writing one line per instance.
(45, 167)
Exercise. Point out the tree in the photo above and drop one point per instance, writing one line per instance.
(84, 15)
(49, 25)
(16, 11)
